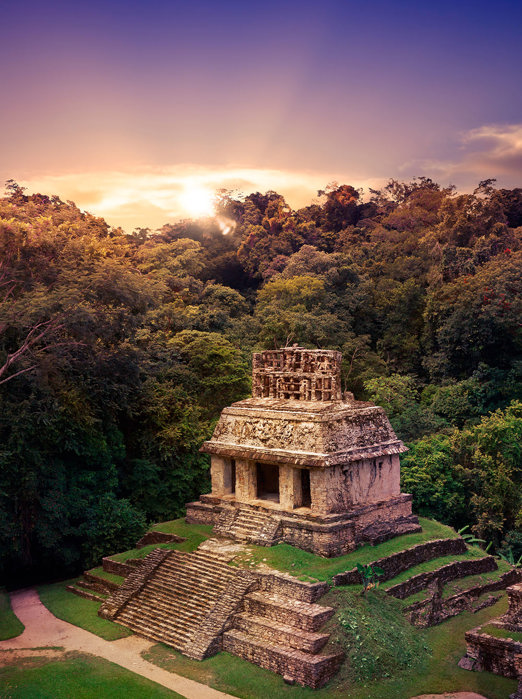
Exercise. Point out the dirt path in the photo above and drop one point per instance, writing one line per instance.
(43, 629)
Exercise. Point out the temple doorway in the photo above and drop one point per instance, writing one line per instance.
(306, 495)
(232, 476)
(268, 482)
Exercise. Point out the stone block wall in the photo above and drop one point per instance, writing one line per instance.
(116, 567)
(291, 587)
(309, 672)
(323, 540)
(158, 538)
(451, 571)
(489, 654)
(399, 562)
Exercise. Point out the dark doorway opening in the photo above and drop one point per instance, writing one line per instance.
(268, 482)
(306, 497)
(232, 475)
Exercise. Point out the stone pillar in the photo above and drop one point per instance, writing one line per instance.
(515, 603)
(246, 480)
(290, 494)
(217, 475)
(318, 491)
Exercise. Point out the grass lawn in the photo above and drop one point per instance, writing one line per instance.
(436, 671)
(497, 632)
(308, 566)
(76, 676)
(79, 611)
(10, 624)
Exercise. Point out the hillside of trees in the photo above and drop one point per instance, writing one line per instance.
(118, 352)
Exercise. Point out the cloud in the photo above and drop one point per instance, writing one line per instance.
(151, 197)
(492, 150)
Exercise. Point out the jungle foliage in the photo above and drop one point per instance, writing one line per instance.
(118, 351)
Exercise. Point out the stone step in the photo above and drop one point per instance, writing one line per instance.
(184, 601)
(199, 567)
(170, 623)
(184, 588)
(302, 615)
(171, 616)
(191, 582)
(211, 567)
(156, 632)
(281, 634)
(183, 605)
(304, 668)
(92, 587)
(85, 593)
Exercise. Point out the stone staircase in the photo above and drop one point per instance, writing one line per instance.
(282, 634)
(248, 526)
(181, 599)
(93, 587)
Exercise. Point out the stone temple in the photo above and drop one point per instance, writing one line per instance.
(302, 463)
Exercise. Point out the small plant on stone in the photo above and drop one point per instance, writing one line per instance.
(370, 576)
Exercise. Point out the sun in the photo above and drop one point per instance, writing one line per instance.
(197, 201)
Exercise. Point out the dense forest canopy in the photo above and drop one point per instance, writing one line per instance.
(118, 352)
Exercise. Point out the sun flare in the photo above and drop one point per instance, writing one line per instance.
(197, 201)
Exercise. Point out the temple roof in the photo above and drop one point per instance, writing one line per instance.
(303, 433)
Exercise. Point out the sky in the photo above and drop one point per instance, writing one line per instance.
(139, 111)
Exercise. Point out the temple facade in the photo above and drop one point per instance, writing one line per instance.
(299, 462)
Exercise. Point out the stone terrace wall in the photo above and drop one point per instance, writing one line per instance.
(291, 587)
(489, 654)
(399, 562)
(109, 565)
(308, 671)
(458, 569)
(158, 538)
(436, 610)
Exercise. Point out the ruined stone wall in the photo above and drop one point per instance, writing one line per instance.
(116, 567)
(458, 569)
(291, 587)
(489, 654)
(404, 560)
(314, 673)
(514, 614)
(324, 540)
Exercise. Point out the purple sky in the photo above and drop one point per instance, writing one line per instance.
(123, 106)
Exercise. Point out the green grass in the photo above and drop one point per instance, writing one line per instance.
(79, 611)
(118, 579)
(290, 559)
(497, 632)
(194, 535)
(440, 672)
(10, 624)
(76, 675)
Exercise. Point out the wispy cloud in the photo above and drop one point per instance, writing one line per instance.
(492, 150)
(151, 197)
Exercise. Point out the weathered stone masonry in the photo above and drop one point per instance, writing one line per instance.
(324, 468)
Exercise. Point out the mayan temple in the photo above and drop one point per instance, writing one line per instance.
(301, 463)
